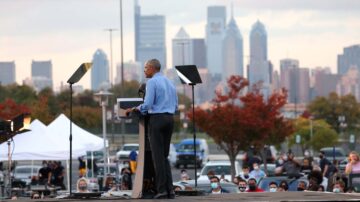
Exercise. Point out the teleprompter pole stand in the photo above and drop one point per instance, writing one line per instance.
(75, 77)
(189, 75)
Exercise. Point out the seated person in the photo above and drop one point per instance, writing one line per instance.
(215, 186)
(82, 185)
(110, 184)
(242, 185)
(273, 186)
(253, 186)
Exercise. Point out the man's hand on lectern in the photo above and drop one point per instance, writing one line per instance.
(130, 110)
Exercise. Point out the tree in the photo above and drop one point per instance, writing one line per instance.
(9, 109)
(238, 120)
(41, 110)
(331, 107)
(322, 134)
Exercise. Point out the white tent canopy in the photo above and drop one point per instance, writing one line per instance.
(52, 142)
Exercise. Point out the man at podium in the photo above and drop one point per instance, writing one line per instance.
(160, 103)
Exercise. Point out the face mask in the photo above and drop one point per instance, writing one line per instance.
(321, 156)
(281, 161)
(214, 185)
(83, 188)
(256, 167)
(336, 190)
(242, 189)
(272, 189)
(246, 176)
(252, 187)
(300, 189)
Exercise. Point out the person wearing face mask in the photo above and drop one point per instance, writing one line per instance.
(245, 172)
(215, 186)
(253, 186)
(339, 187)
(82, 185)
(301, 186)
(257, 173)
(272, 187)
(242, 185)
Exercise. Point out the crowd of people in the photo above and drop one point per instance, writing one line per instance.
(309, 175)
(51, 174)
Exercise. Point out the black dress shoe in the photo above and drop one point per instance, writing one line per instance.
(162, 195)
(171, 195)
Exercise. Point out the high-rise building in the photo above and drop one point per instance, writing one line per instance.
(259, 67)
(133, 71)
(289, 78)
(7, 73)
(349, 83)
(350, 58)
(324, 82)
(188, 51)
(232, 51)
(149, 37)
(181, 48)
(215, 28)
(100, 71)
(303, 85)
(41, 74)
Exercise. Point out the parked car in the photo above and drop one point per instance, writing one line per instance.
(340, 154)
(203, 185)
(25, 172)
(219, 167)
(292, 182)
(124, 153)
(185, 153)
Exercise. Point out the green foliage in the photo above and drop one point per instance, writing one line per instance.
(323, 134)
(331, 107)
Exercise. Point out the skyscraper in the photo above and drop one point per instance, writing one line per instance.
(41, 74)
(7, 73)
(188, 51)
(232, 51)
(350, 58)
(181, 48)
(324, 82)
(216, 21)
(259, 67)
(149, 37)
(289, 78)
(100, 71)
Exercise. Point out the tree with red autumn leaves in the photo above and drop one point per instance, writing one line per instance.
(9, 109)
(239, 119)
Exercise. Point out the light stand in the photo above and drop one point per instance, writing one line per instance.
(103, 98)
(189, 75)
(75, 77)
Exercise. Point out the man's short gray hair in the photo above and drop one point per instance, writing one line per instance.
(155, 63)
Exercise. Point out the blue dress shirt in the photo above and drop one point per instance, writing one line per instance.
(160, 96)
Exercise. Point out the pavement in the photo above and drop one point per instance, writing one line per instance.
(265, 196)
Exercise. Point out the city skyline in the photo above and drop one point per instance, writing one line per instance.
(68, 32)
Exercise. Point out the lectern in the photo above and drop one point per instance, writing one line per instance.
(189, 75)
(143, 185)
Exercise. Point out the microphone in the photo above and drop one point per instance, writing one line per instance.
(142, 90)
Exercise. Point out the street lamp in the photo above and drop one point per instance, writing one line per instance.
(103, 98)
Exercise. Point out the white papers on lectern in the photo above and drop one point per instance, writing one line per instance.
(125, 103)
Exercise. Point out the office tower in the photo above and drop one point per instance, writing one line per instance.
(232, 51)
(215, 28)
(198, 52)
(41, 74)
(7, 73)
(324, 82)
(133, 71)
(149, 37)
(350, 57)
(259, 67)
(100, 71)
(188, 51)
(288, 77)
(181, 48)
(303, 85)
(275, 84)
(349, 83)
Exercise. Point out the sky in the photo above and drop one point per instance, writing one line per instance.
(68, 32)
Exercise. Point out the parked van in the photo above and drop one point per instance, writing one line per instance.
(185, 153)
